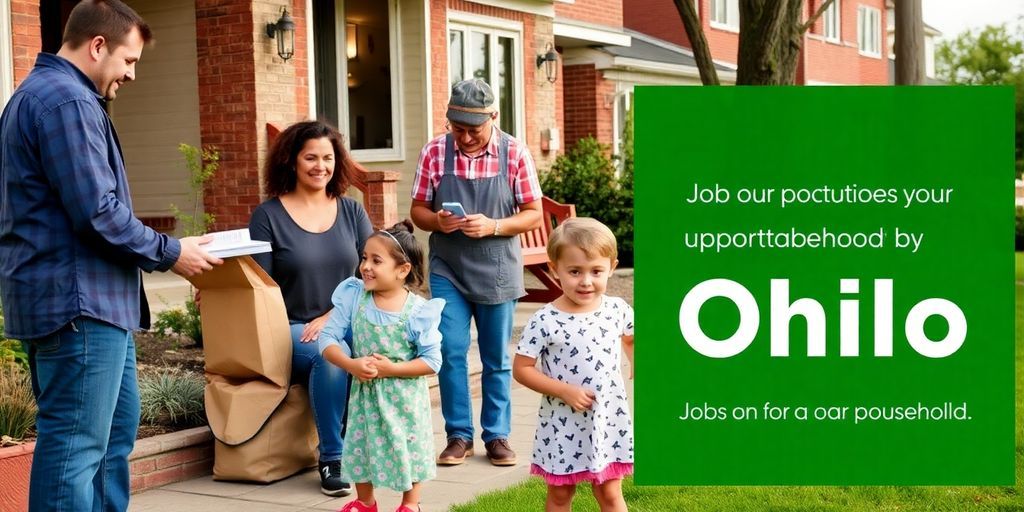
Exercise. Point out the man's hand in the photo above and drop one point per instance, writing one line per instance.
(449, 222)
(578, 398)
(478, 225)
(193, 259)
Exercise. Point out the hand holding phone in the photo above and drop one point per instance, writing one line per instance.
(455, 208)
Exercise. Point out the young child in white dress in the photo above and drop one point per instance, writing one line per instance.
(584, 429)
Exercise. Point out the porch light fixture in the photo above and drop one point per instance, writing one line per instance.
(284, 32)
(351, 41)
(549, 60)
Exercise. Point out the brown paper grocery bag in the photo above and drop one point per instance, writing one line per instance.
(245, 323)
(284, 445)
(264, 430)
(238, 408)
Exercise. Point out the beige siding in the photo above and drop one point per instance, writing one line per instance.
(414, 103)
(161, 109)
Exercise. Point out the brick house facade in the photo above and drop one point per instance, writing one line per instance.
(214, 78)
(600, 77)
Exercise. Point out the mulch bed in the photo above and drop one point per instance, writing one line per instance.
(155, 354)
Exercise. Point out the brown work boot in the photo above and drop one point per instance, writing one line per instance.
(456, 452)
(500, 453)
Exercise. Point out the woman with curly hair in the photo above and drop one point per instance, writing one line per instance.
(317, 235)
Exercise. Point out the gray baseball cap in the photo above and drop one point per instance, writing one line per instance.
(471, 104)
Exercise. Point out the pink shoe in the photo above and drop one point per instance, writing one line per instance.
(357, 506)
(403, 508)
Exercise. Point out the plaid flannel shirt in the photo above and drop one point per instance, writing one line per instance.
(69, 243)
(522, 173)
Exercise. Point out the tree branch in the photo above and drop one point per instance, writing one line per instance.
(813, 19)
(701, 51)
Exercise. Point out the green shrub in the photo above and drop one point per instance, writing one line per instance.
(17, 405)
(587, 177)
(1019, 239)
(182, 322)
(11, 351)
(202, 164)
(172, 400)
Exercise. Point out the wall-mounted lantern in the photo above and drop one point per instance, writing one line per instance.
(549, 60)
(351, 41)
(284, 32)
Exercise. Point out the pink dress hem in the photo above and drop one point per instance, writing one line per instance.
(613, 471)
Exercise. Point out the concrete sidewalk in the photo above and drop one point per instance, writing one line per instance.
(453, 485)
(456, 484)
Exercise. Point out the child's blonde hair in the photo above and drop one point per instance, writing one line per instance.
(590, 235)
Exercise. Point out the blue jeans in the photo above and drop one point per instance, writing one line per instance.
(328, 392)
(83, 377)
(494, 329)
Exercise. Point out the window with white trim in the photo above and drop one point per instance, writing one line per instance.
(830, 18)
(725, 14)
(494, 55)
(620, 113)
(357, 74)
(869, 31)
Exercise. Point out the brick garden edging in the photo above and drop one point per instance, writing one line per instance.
(169, 458)
(156, 461)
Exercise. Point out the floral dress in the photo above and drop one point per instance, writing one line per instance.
(389, 440)
(582, 349)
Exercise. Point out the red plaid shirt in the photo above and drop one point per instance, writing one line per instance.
(522, 173)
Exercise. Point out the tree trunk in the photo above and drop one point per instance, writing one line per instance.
(909, 43)
(699, 44)
(771, 35)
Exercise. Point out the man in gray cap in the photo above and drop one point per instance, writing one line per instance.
(476, 263)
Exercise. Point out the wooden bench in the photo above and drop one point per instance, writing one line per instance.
(535, 250)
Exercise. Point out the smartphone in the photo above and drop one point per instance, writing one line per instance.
(454, 208)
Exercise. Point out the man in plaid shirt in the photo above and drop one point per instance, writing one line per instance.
(70, 254)
(475, 259)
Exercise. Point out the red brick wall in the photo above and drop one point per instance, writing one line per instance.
(227, 107)
(439, 59)
(26, 37)
(300, 62)
(841, 62)
(826, 62)
(600, 12)
(588, 106)
(578, 102)
(658, 18)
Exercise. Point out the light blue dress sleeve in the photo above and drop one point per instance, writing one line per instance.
(423, 331)
(345, 299)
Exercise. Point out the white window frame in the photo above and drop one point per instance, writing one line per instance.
(731, 12)
(495, 27)
(623, 98)
(869, 31)
(832, 27)
(394, 153)
(6, 54)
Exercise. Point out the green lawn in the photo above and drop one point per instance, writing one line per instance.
(530, 495)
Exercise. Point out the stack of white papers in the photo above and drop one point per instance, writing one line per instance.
(236, 242)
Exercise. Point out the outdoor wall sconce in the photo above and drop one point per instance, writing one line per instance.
(284, 32)
(351, 41)
(549, 60)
